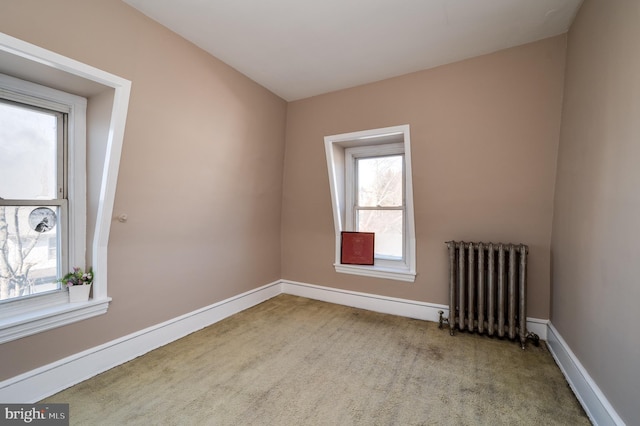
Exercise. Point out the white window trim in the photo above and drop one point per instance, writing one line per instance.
(37, 314)
(335, 148)
(75, 250)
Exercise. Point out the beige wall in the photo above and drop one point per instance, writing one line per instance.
(202, 182)
(484, 135)
(200, 176)
(596, 225)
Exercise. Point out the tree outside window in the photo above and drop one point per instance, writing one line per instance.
(379, 203)
(31, 198)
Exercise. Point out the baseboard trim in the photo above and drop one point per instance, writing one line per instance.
(591, 398)
(538, 326)
(388, 305)
(35, 385)
(42, 382)
(371, 302)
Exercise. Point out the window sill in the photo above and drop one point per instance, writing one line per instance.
(18, 326)
(377, 272)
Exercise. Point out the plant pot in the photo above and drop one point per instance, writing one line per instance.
(79, 293)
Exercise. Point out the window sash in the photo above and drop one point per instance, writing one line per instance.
(60, 197)
(357, 157)
(352, 188)
(61, 115)
(63, 223)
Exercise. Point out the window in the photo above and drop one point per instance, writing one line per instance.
(89, 197)
(375, 197)
(370, 182)
(33, 197)
(42, 193)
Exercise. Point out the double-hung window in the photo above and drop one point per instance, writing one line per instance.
(42, 203)
(370, 182)
(375, 198)
(49, 194)
(33, 196)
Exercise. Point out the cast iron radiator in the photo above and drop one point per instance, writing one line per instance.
(488, 289)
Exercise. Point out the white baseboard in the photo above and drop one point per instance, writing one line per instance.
(388, 305)
(370, 302)
(538, 326)
(591, 398)
(47, 380)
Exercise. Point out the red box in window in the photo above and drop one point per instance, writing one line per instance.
(357, 248)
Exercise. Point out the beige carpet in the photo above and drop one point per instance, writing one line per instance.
(295, 361)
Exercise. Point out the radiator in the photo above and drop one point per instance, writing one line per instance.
(488, 289)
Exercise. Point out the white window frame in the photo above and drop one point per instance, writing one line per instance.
(340, 151)
(75, 226)
(35, 314)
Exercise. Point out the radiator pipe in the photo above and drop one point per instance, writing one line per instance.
(501, 290)
(462, 285)
(491, 275)
(512, 292)
(481, 284)
(523, 296)
(471, 288)
(452, 286)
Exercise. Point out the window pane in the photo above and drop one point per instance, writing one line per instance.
(28, 157)
(380, 181)
(387, 225)
(28, 235)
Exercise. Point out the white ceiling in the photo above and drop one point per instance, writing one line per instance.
(302, 48)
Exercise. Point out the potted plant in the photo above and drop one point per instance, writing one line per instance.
(79, 284)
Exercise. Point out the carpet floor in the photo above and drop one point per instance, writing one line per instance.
(296, 361)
